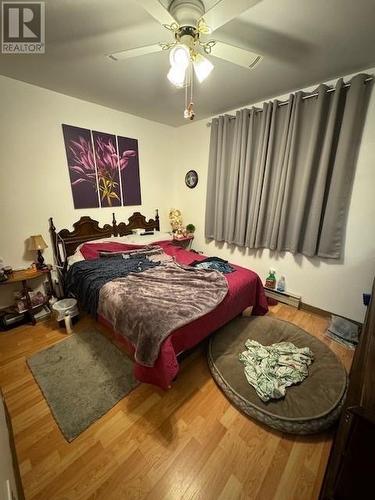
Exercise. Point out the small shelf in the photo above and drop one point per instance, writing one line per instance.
(285, 297)
(23, 275)
(45, 303)
(288, 294)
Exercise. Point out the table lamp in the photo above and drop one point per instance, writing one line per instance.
(37, 243)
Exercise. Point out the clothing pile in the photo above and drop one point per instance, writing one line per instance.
(153, 253)
(214, 263)
(271, 369)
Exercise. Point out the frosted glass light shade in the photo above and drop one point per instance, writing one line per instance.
(202, 67)
(179, 57)
(176, 76)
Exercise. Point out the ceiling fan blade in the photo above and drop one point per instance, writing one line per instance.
(226, 10)
(139, 51)
(235, 55)
(158, 11)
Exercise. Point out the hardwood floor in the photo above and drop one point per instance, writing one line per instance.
(185, 443)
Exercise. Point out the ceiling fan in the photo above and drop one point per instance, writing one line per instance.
(190, 25)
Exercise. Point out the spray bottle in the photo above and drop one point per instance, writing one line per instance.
(271, 279)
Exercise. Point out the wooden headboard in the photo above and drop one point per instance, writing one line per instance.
(65, 242)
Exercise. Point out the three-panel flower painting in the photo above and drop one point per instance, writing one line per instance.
(103, 168)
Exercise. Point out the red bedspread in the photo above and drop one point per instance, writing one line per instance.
(245, 289)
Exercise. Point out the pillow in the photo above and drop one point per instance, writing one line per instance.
(90, 251)
(148, 239)
(133, 238)
(92, 242)
(76, 257)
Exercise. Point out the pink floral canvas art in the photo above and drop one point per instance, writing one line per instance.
(103, 168)
(108, 166)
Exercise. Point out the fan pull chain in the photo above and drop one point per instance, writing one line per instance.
(191, 82)
(186, 96)
(189, 109)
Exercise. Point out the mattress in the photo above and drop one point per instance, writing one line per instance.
(245, 289)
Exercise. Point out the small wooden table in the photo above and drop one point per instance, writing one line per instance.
(23, 276)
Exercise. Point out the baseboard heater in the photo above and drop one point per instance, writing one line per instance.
(285, 297)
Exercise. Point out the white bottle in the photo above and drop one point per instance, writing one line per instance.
(281, 284)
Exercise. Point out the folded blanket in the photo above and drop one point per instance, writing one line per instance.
(146, 307)
(271, 369)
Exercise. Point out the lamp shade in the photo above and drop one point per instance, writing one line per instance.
(179, 57)
(202, 67)
(37, 242)
(177, 76)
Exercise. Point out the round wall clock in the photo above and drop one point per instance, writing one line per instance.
(191, 179)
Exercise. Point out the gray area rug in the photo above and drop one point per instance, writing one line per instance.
(82, 378)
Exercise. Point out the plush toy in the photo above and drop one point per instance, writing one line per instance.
(189, 113)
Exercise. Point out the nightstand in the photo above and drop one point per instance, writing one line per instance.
(183, 242)
(23, 276)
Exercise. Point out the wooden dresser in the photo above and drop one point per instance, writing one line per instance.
(351, 468)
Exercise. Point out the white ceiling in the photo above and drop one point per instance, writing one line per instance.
(303, 42)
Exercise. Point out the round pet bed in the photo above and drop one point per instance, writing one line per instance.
(309, 407)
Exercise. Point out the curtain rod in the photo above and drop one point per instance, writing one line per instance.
(308, 96)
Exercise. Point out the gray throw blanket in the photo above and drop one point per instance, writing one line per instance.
(146, 307)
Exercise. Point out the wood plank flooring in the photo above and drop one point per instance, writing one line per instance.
(186, 443)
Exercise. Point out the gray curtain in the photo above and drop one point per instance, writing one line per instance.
(281, 177)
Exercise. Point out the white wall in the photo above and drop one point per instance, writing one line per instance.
(332, 285)
(34, 183)
(34, 178)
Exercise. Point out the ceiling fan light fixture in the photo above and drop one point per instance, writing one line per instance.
(176, 76)
(202, 67)
(179, 57)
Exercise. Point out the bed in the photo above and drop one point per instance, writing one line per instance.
(244, 287)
